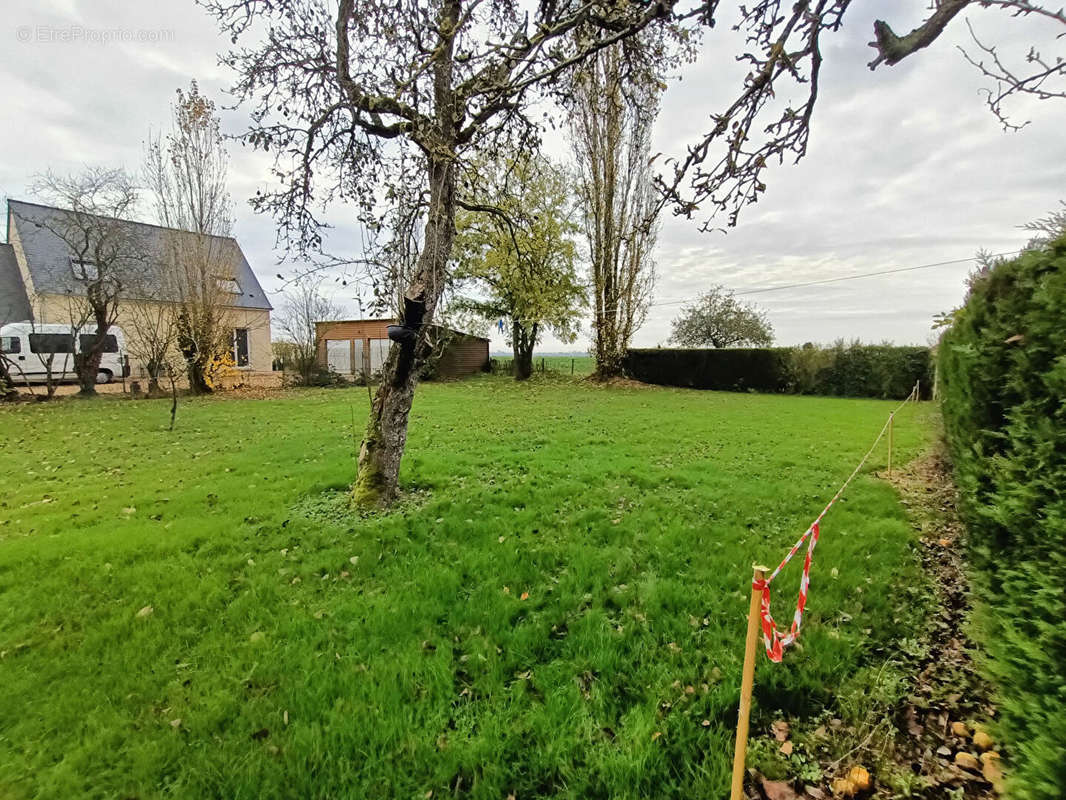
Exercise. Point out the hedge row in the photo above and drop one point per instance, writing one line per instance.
(842, 370)
(1003, 379)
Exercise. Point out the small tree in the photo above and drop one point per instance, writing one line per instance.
(151, 337)
(106, 254)
(8, 366)
(14, 370)
(305, 304)
(718, 319)
(186, 174)
(522, 256)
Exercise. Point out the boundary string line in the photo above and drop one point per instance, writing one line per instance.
(759, 608)
(774, 640)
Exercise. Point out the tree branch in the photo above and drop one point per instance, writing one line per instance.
(891, 49)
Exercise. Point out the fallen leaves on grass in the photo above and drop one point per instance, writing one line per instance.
(145, 612)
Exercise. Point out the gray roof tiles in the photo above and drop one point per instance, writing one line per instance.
(48, 256)
(14, 304)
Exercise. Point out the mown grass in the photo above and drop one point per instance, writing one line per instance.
(557, 609)
(578, 366)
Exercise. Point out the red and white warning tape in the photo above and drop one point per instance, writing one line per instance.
(775, 640)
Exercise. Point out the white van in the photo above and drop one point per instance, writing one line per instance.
(28, 347)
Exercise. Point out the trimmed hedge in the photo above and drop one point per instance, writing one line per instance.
(842, 370)
(1003, 380)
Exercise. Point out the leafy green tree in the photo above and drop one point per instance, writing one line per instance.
(718, 319)
(519, 255)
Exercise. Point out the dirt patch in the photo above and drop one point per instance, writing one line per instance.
(617, 383)
(947, 689)
(920, 731)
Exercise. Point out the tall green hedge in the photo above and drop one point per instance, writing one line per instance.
(1003, 378)
(844, 370)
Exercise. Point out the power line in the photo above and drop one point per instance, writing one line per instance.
(847, 277)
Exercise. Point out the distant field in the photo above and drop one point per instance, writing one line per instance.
(557, 611)
(565, 365)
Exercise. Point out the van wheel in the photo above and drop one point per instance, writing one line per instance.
(103, 376)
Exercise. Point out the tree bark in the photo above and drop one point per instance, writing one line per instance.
(377, 480)
(87, 365)
(522, 343)
(7, 384)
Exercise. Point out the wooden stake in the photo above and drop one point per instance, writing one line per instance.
(891, 418)
(747, 680)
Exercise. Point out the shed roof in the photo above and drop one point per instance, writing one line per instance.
(326, 324)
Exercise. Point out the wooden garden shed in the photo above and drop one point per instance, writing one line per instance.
(358, 347)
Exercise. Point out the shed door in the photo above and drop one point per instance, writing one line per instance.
(379, 351)
(339, 355)
(358, 367)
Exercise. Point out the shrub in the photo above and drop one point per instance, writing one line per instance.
(847, 370)
(1003, 379)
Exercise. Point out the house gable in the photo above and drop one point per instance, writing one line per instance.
(44, 258)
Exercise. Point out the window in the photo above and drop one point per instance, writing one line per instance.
(240, 347)
(87, 340)
(229, 285)
(9, 345)
(84, 269)
(51, 343)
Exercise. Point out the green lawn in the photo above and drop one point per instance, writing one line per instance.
(294, 652)
(579, 366)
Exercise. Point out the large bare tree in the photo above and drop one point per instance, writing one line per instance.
(614, 103)
(107, 254)
(186, 174)
(339, 88)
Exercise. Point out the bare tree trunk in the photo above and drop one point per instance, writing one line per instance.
(154, 389)
(173, 398)
(7, 383)
(87, 365)
(377, 480)
(522, 345)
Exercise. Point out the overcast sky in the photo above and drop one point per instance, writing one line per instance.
(906, 166)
